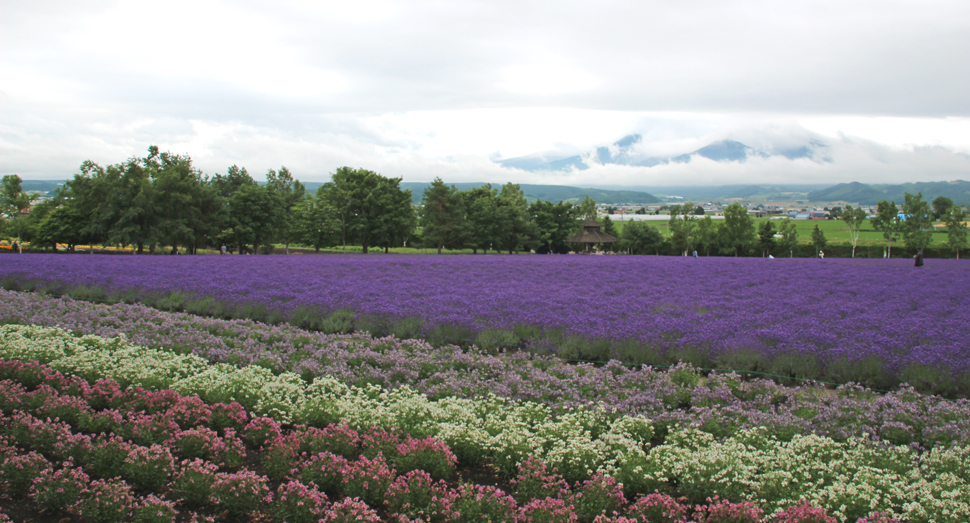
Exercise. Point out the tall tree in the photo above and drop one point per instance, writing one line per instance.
(554, 222)
(587, 208)
(707, 235)
(315, 221)
(443, 216)
(394, 220)
(187, 206)
(14, 203)
(291, 192)
(766, 237)
(853, 218)
(610, 229)
(228, 188)
(482, 213)
(818, 240)
(641, 238)
(887, 221)
(941, 206)
(789, 236)
(371, 209)
(737, 232)
(956, 228)
(681, 225)
(518, 229)
(918, 225)
(256, 212)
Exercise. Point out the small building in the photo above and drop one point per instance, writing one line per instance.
(591, 234)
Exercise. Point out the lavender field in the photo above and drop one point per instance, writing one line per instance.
(878, 322)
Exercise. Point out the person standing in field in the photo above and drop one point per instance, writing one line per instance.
(223, 249)
(821, 254)
(918, 258)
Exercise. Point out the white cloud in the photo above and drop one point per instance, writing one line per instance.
(427, 87)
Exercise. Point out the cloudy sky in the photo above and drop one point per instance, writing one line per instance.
(419, 89)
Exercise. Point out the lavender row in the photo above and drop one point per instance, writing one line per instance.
(879, 322)
(721, 404)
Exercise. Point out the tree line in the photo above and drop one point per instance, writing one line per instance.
(737, 235)
(162, 203)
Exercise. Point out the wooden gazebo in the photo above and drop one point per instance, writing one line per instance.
(591, 234)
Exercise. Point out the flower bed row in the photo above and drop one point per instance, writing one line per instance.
(848, 479)
(722, 404)
(870, 321)
(63, 466)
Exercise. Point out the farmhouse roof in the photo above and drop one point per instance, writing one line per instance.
(591, 234)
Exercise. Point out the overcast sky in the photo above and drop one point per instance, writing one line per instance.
(422, 89)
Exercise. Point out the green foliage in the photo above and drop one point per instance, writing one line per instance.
(918, 225)
(766, 237)
(737, 231)
(443, 217)
(818, 240)
(682, 223)
(853, 218)
(706, 235)
(956, 229)
(887, 221)
(789, 236)
(587, 209)
(518, 230)
(641, 238)
(555, 222)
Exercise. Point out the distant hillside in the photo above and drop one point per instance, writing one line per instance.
(723, 192)
(42, 186)
(865, 194)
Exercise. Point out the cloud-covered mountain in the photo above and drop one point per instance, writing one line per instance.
(626, 151)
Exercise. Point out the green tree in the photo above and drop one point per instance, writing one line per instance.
(737, 232)
(918, 226)
(228, 187)
(518, 230)
(443, 216)
(818, 240)
(256, 213)
(315, 221)
(610, 229)
(941, 206)
(14, 202)
(394, 220)
(587, 208)
(853, 218)
(956, 228)
(96, 200)
(371, 208)
(291, 192)
(887, 221)
(188, 209)
(554, 222)
(640, 238)
(766, 237)
(681, 225)
(707, 235)
(789, 236)
(62, 225)
(482, 213)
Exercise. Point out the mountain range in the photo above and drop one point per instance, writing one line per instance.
(624, 152)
